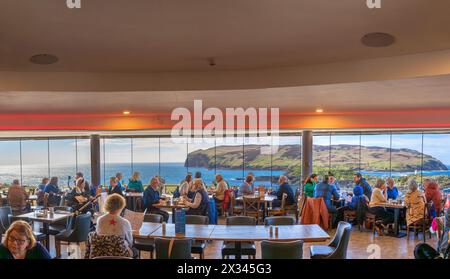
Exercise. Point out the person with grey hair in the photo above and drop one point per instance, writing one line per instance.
(284, 188)
(53, 191)
(415, 203)
(17, 197)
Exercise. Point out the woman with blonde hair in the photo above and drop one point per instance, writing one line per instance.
(200, 204)
(135, 183)
(376, 206)
(20, 243)
(219, 192)
(112, 223)
(415, 203)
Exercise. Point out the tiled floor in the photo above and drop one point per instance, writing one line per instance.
(363, 245)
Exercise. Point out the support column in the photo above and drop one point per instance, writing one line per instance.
(307, 154)
(95, 160)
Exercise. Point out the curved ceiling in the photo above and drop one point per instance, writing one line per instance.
(176, 35)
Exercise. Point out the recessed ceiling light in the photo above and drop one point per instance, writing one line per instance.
(126, 112)
(319, 110)
(378, 39)
(44, 59)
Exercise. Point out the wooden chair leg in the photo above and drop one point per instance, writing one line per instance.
(58, 248)
(202, 255)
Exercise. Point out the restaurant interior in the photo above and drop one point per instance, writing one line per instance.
(209, 129)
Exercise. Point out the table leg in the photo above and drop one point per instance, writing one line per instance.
(397, 232)
(47, 236)
(238, 248)
(173, 215)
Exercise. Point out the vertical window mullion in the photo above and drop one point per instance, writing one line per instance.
(20, 157)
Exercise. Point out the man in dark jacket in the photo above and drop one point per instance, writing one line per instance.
(360, 181)
(283, 188)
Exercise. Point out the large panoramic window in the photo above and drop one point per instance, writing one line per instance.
(173, 161)
(35, 161)
(287, 159)
(202, 158)
(345, 158)
(436, 159)
(230, 159)
(321, 154)
(117, 158)
(375, 156)
(406, 158)
(63, 160)
(9, 162)
(146, 157)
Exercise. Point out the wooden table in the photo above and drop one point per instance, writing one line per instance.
(46, 221)
(397, 208)
(173, 206)
(238, 234)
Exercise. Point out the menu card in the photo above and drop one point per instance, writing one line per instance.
(180, 221)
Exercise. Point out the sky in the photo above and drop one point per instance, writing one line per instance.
(35, 152)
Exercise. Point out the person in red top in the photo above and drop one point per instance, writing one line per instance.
(433, 194)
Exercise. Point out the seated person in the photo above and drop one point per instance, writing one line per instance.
(358, 196)
(112, 223)
(433, 194)
(283, 188)
(361, 181)
(20, 243)
(185, 186)
(200, 204)
(415, 203)
(219, 192)
(151, 197)
(80, 196)
(135, 183)
(246, 187)
(376, 206)
(310, 184)
(392, 191)
(114, 187)
(52, 189)
(17, 198)
(328, 193)
(40, 191)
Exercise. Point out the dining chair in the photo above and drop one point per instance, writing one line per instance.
(78, 234)
(198, 246)
(147, 245)
(337, 248)
(247, 248)
(279, 220)
(281, 250)
(166, 248)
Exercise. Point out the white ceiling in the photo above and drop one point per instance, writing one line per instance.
(178, 35)
(417, 93)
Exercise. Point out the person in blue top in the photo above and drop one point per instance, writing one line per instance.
(151, 197)
(392, 191)
(53, 190)
(283, 188)
(359, 180)
(135, 183)
(246, 187)
(328, 193)
(119, 179)
(200, 204)
(114, 187)
(40, 191)
(358, 196)
(20, 243)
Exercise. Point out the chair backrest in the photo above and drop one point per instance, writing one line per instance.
(340, 241)
(279, 220)
(106, 246)
(173, 248)
(241, 221)
(153, 218)
(251, 204)
(281, 250)
(63, 208)
(81, 228)
(5, 211)
(232, 198)
(197, 220)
